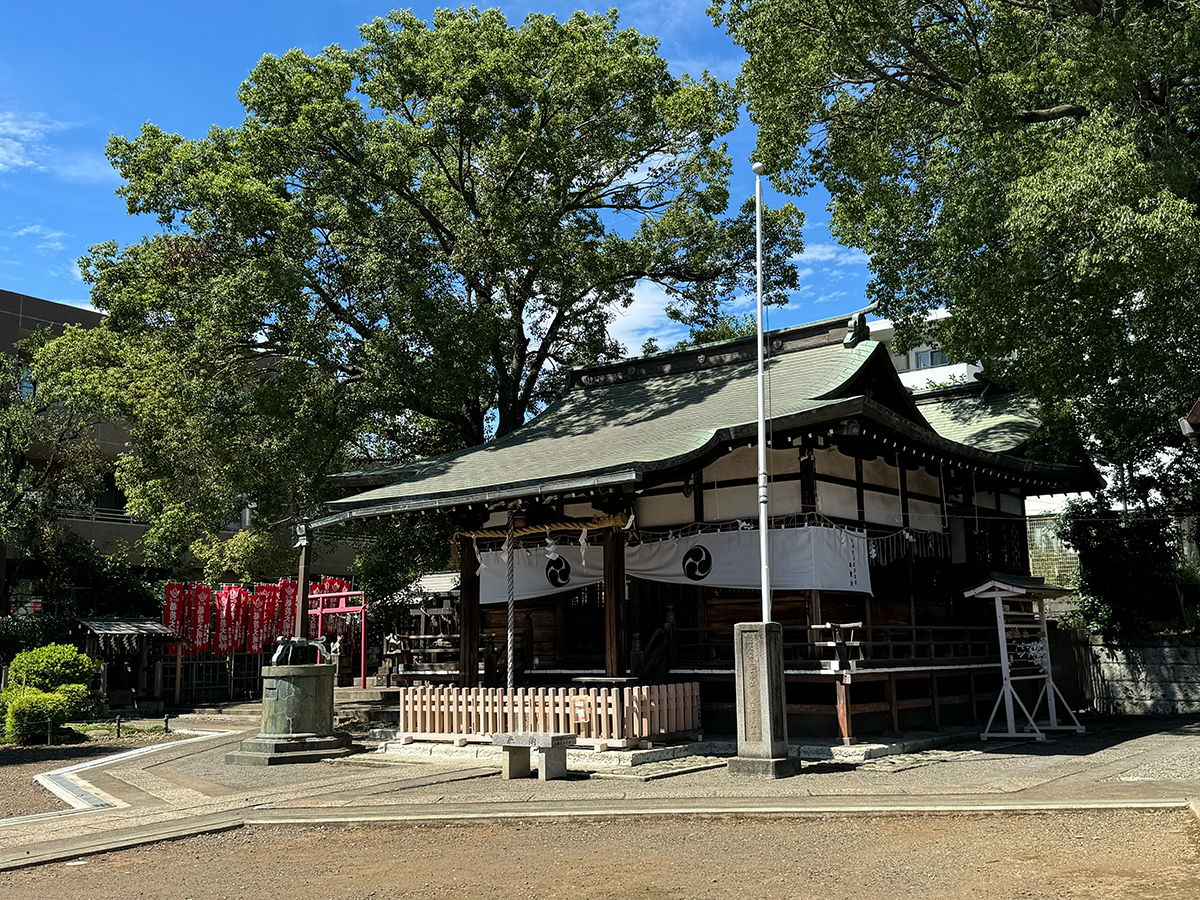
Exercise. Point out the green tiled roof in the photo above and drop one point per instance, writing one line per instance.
(987, 420)
(621, 420)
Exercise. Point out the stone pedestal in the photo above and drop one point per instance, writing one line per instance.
(297, 719)
(761, 710)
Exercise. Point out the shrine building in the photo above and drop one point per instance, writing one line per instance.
(627, 514)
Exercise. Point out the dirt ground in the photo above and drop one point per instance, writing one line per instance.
(20, 795)
(1111, 855)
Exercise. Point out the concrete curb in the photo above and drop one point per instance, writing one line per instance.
(740, 807)
(112, 841)
(91, 845)
(66, 785)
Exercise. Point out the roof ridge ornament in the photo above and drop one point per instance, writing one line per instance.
(857, 331)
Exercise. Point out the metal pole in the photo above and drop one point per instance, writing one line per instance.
(763, 497)
(302, 583)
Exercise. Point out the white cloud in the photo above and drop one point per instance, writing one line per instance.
(830, 296)
(22, 140)
(46, 240)
(83, 166)
(644, 319)
(833, 254)
(25, 144)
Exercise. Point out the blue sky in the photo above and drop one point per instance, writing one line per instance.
(71, 73)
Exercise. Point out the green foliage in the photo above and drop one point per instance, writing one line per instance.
(49, 459)
(1126, 565)
(397, 252)
(32, 714)
(1030, 166)
(49, 668)
(69, 573)
(6, 697)
(390, 557)
(18, 633)
(80, 701)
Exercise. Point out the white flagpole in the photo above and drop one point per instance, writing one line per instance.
(763, 498)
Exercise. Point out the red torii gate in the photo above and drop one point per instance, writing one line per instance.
(324, 602)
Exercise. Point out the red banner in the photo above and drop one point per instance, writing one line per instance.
(262, 607)
(201, 617)
(288, 597)
(239, 599)
(222, 623)
(175, 608)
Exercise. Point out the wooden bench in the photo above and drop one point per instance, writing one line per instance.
(517, 744)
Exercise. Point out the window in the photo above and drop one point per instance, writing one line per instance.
(929, 359)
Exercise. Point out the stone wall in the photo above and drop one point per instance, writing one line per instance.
(1156, 676)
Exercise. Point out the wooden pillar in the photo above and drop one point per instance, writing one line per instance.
(845, 731)
(893, 707)
(468, 614)
(934, 703)
(615, 656)
(178, 672)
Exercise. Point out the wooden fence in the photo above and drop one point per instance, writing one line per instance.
(610, 718)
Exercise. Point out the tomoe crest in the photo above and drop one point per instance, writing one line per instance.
(558, 572)
(697, 563)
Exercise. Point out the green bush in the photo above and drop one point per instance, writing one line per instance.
(32, 714)
(49, 668)
(81, 701)
(6, 697)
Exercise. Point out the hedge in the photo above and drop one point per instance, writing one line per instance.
(33, 714)
(49, 668)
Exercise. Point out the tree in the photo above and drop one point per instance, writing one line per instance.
(49, 459)
(1030, 166)
(399, 251)
(1127, 565)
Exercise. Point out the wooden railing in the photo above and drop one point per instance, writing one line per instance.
(803, 647)
(599, 717)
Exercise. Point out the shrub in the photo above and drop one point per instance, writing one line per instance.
(32, 714)
(6, 697)
(49, 668)
(81, 701)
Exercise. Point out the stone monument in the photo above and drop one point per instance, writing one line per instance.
(761, 710)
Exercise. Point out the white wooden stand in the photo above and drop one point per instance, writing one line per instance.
(1025, 656)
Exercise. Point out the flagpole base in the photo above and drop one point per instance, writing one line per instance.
(761, 711)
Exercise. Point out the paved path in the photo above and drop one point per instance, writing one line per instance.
(184, 789)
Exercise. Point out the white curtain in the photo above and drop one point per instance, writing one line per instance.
(536, 576)
(806, 558)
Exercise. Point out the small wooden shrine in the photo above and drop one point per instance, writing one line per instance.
(626, 513)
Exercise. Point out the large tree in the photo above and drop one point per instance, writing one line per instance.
(398, 251)
(49, 462)
(1032, 166)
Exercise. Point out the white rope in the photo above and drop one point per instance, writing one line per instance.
(509, 553)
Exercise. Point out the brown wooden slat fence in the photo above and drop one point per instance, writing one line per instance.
(610, 717)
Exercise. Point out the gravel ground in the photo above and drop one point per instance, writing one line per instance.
(1079, 855)
(20, 795)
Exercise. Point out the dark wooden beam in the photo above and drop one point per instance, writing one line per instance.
(892, 702)
(468, 610)
(615, 655)
(859, 489)
(845, 731)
